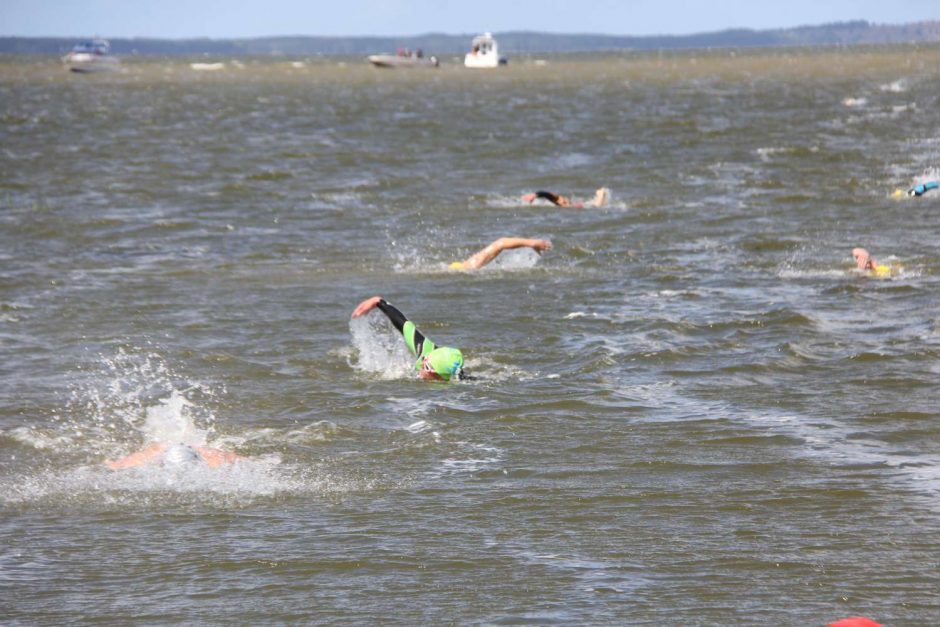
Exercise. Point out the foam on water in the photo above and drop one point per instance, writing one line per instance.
(896, 87)
(929, 174)
(855, 102)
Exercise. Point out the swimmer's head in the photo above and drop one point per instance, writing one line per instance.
(862, 259)
(180, 455)
(442, 363)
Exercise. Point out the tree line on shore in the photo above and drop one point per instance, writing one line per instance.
(517, 42)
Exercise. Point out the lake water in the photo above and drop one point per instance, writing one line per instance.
(692, 410)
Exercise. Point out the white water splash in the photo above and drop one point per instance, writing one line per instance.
(516, 259)
(131, 400)
(380, 348)
(895, 87)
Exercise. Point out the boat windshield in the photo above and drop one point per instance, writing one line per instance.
(92, 47)
(482, 44)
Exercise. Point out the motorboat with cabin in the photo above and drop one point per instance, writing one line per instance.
(484, 53)
(92, 55)
(404, 58)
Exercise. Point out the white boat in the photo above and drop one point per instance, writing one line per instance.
(404, 58)
(93, 55)
(207, 67)
(484, 53)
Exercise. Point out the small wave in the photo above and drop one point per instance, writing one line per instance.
(895, 87)
(239, 484)
(41, 439)
(269, 176)
(822, 273)
(313, 433)
(469, 458)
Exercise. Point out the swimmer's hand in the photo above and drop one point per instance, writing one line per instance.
(529, 198)
(541, 245)
(366, 306)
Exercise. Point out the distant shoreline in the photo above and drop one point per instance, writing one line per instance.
(516, 42)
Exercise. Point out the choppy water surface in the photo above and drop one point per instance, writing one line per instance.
(693, 410)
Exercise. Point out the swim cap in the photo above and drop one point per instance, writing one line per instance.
(457, 265)
(180, 455)
(445, 361)
(881, 270)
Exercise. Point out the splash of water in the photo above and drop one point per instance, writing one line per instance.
(516, 259)
(929, 174)
(381, 350)
(134, 397)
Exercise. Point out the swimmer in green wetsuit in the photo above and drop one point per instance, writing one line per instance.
(433, 362)
(488, 254)
(601, 198)
(865, 261)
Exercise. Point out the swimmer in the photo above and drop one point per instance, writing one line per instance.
(864, 261)
(488, 254)
(175, 455)
(855, 621)
(433, 363)
(601, 198)
(918, 190)
(923, 188)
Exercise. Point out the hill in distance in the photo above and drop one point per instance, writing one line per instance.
(514, 42)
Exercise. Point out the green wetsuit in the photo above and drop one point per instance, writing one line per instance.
(419, 345)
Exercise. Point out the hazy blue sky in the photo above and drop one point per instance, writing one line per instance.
(252, 18)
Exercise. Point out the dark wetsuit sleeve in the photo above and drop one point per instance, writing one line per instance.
(417, 343)
(550, 197)
(397, 317)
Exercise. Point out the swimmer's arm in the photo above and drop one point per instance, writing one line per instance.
(417, 343)
(413, 338)
(366, 306)
(215, 457)
(142, 456)
(488, 254)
